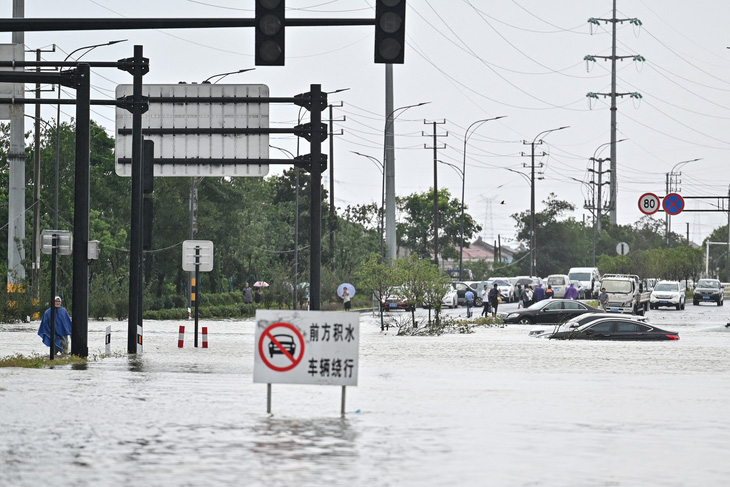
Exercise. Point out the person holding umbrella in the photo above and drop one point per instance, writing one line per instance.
(346, 291)
(257, 297)
(346, 299)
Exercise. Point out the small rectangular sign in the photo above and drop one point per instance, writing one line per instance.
(11, 52)
(306, 347)
(197, 252)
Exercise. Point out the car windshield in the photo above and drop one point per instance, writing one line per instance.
(712, 284)
(667, 286)
(553, 281)
(579, 276)
(617, 286)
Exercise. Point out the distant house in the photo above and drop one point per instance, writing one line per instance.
(481, 250)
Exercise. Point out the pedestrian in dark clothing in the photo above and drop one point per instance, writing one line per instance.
(247, 295)
(257, 296)
(539, 293)
(494, 295)
(549, 293)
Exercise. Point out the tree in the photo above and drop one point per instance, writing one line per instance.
(416, 232)
(560, 244)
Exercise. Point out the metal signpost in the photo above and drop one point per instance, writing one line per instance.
(306, 347)
(197, 255)
(55, 242)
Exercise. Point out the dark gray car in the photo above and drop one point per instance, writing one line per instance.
(708, 291)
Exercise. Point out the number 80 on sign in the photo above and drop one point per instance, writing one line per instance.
(648, 203)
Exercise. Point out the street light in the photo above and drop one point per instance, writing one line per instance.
(380, 167)
(672, 177)
(533, 255)
(223, 75)
(389, 160)
(478, 123)
(58, 121)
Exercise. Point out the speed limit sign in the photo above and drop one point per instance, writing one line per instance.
(649, 203)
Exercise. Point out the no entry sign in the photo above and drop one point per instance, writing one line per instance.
(306, 347)
(673, 203)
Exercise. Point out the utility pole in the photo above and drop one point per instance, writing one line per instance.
(596, 207)
(435, 148)
(613, 95)
(16, 186)
(333, 213)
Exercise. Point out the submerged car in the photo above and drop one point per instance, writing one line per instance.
(573, 323)
(667, 293)
(616, 328)
(708, 291)
(549, 311)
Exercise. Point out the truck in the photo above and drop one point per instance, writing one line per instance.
(627, 293)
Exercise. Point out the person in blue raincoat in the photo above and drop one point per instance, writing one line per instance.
(63, 327)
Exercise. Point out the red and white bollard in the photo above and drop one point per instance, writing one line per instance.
(181, 337)
(205, 337)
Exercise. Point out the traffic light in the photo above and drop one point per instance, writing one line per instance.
(390, 31)
(270, 23)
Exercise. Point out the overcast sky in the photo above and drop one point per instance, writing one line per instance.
(471, 59)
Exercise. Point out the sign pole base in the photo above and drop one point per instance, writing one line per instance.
(342, 407)
(268, 398)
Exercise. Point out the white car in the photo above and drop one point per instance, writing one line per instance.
(451, 299)
(667, 293)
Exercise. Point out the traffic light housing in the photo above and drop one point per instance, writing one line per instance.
(390, 31)
(270, 23)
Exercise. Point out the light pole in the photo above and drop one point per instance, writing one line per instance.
(380, 167)
(223, 75)
(533, 255)
(58, 122)
(672, 180)
(478, 123)
(389, 158)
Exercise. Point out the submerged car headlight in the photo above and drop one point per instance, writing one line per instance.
(513, 315)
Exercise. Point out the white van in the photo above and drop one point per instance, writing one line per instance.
(587, 280)
(558, 283)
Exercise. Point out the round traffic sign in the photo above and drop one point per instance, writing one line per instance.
(648, 203)
(622, 248)
(284, 340)
(673, 203)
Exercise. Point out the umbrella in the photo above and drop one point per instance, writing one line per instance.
(350, 289)
(260, 284)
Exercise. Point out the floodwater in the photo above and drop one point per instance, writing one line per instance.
(491, 408)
